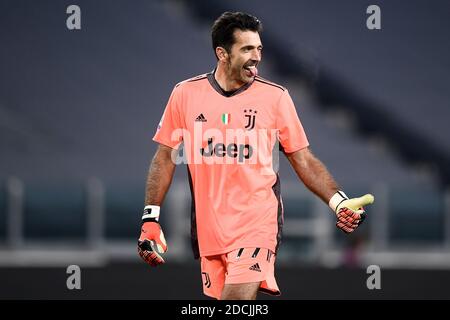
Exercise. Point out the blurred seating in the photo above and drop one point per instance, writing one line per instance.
(86, 103)
(393, 79)
(416, 217)
(3, 216)
(124, 205)
(54, 213)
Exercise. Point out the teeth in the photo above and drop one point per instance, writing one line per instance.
(252, 70)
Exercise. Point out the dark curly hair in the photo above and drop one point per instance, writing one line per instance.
(222, 31)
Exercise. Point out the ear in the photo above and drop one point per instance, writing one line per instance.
(221, 53)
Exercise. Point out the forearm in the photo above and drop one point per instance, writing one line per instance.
(159, 177)
(313, 174)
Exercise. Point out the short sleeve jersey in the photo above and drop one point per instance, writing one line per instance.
(229, 141)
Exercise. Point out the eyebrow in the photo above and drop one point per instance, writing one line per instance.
(251, 47)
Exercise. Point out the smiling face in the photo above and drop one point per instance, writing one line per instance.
(244, 56)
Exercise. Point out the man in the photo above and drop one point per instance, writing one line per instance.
(229, 121)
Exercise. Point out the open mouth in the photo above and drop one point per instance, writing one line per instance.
(251, 71)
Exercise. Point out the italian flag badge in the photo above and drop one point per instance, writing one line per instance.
(226, 118)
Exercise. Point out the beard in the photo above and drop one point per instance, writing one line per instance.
(238, 73)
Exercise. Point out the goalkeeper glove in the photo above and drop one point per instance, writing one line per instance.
(151, 243)
(349, 212)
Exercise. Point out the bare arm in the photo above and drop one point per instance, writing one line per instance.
(160, 176)
(151, 243)
(313, 173)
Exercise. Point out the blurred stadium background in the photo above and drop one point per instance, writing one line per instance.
(78, 110)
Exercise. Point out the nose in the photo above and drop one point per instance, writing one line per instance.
(256, 55)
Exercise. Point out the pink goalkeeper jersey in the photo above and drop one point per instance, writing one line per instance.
(229, 142)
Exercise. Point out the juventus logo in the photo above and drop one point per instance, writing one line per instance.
(251, 118)
(207, 280)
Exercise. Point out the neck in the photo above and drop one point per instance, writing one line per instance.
(223, 78)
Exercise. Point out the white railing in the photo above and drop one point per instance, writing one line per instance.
(319, 227)
(14, 208)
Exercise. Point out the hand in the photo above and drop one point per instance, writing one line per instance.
(151, 243)
(350, 213)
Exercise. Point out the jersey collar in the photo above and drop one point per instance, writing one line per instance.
(212, 80)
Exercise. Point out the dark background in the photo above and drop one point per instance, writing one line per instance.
(78, 110)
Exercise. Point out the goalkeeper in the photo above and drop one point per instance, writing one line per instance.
(237, 211)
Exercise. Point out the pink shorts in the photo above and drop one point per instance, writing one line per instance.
(239, 266)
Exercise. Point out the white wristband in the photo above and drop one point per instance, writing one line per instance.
(151, 212)
(336, 199)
